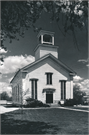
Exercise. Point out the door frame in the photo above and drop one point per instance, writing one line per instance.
(51, 97)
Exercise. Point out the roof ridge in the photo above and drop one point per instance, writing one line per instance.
(42, 58)
(35, 61)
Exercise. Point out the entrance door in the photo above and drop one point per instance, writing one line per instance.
(49, 98)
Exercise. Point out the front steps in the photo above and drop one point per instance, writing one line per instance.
(54, 105)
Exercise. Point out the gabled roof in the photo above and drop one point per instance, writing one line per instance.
(43, 58)
(54, 58)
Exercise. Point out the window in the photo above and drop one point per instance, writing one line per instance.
(63, 89)
(18, 93)
(49, 78)
(34, 88)
(15, 93)
(47, 38)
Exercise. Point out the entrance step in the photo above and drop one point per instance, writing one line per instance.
(54, 105)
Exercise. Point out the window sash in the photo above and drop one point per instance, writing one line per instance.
(49, 78)
(34, 88)
(18, 92)
(61, 90)
(64, 90)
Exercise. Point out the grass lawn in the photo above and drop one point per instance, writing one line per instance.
(80, 108)
(44, 121)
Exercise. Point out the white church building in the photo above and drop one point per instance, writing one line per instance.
(46, 79)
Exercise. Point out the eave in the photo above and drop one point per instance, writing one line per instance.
(24, 69)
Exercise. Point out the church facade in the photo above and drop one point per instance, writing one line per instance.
(47, 78)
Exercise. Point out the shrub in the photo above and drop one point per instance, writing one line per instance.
(39, 103)
(59, 102)
(46, 105)
(35, 103)
(32, 104)
(69, 102)
(30, 99)
(85, 103)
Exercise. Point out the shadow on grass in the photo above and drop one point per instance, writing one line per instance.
(10, 126)
(40, 121)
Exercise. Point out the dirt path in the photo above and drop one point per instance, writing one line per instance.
(4, 109)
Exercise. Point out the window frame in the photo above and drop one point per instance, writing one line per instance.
(63, 89)
(47, 38)
(18, 92)
(49, 78)
(34, 88)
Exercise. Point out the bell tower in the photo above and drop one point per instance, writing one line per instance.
(45, 45)
(46, 37)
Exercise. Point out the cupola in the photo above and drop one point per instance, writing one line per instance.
(46, 37)
(45, 45)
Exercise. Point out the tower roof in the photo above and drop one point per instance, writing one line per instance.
(42, 32)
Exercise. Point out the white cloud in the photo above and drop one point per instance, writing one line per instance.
(77, 78)
(0, 75)
(79, 84)
(6, 76)
(12, 63)
(87, 65)
(83, 60)
(84, 85)
(78, 10)
(2, 51)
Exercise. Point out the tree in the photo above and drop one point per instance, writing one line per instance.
(78, 94)
(17, 16)
(4, 96)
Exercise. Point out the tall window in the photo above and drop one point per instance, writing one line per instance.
(34, 88)
(49, 78)
(18, 93)
(63, 89)
(15, 93)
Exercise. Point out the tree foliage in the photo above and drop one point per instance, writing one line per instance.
(17, 16)
(78, 94)
(4, 96)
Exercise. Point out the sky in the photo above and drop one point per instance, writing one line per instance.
(21, 53)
